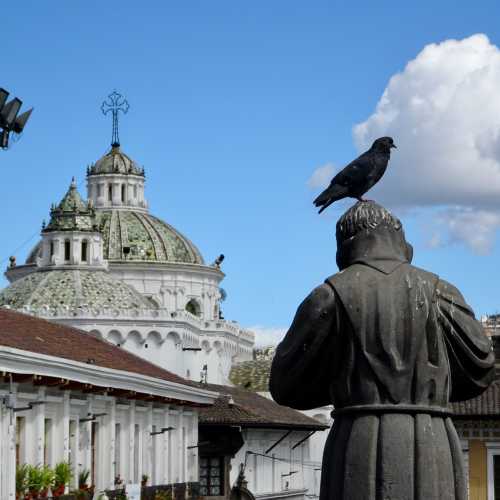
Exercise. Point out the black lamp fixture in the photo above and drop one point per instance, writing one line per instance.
(10, 120)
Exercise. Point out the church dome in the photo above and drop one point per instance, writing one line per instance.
(132, 235)
(70, 290)
(115, 162)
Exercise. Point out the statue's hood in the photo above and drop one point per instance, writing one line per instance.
(382, 248)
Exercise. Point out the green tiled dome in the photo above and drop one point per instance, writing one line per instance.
(253, 375)
(147, 238)
(115, 162)
(72, 213)
(72, 289)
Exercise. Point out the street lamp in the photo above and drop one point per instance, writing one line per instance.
(9, 119)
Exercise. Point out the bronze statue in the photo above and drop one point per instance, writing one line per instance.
(389, 345)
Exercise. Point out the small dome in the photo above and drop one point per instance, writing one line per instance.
(131, 235)
(71, 290)
(72, 213)
(115, 162)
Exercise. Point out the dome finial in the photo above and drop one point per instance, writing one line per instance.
(115, 103)
(73, 183)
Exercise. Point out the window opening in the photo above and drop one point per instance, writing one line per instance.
(136, 452)
(93, 450)
(20, 440)
(84, 250)
(117, 449)
(211, 476)
(67, 250)
(47, 448)
(193, 307)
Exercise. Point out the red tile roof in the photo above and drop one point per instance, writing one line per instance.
(250, 409)
(28, 333)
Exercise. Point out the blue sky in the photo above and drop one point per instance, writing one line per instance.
(234, 106)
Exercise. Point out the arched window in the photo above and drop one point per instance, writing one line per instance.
(67, 250)
(51, 249)
(84, 251)
(193, 307)
(123, 193)
(110, 192)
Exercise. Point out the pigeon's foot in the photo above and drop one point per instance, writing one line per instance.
(364, 200)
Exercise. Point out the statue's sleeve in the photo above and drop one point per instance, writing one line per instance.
(302, 366)
(472, 361)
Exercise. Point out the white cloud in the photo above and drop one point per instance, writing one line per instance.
(443, 111)
(267, 336)
(321, 177)
(475, 228)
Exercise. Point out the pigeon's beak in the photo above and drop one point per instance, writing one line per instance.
(394, 146)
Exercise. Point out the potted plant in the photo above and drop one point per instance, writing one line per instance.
(34, 481)
(46, 480)
(119, 483)
(144, 480)
(21, 481)
(62, 477)
(83, 478)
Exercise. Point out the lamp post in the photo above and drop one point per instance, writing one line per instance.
(10, 120)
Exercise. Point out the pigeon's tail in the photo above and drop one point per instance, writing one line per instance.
(329, 195)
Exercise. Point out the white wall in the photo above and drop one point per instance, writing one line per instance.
(163, 457)
(268, 476)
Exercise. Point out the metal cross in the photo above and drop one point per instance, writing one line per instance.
(115, 103)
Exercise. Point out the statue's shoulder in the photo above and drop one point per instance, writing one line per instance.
(362, 272)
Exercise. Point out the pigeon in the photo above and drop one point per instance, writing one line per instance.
(354, 180)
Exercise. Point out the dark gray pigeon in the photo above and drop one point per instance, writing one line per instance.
(359, 176)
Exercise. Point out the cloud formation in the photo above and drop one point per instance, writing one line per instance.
(443, 111)
(476, 228)
(321, 177)
(265, 336)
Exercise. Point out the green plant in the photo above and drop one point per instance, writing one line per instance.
(62, 477)
(47, 478)
(83, 478)
(163, 495)
(35, 478)
(63, 473)
(21, 479)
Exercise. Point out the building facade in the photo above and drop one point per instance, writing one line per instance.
(112, 415)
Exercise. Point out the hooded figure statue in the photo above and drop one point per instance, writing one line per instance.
(389, 345)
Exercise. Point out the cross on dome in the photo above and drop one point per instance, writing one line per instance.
(115, 103)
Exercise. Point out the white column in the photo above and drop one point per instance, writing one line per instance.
(131, 436)
(62, 430)
(181, 452)
(8, 450)
(110, 466)
(86, 438)
(149, 463)
(39, 429)
(167, 451)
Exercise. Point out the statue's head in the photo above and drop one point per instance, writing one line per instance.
(370, 234)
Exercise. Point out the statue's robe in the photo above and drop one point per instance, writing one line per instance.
(389, 345)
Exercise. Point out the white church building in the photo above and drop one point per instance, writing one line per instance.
(105, 265)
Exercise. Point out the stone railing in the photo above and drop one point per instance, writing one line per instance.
(228, 329)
